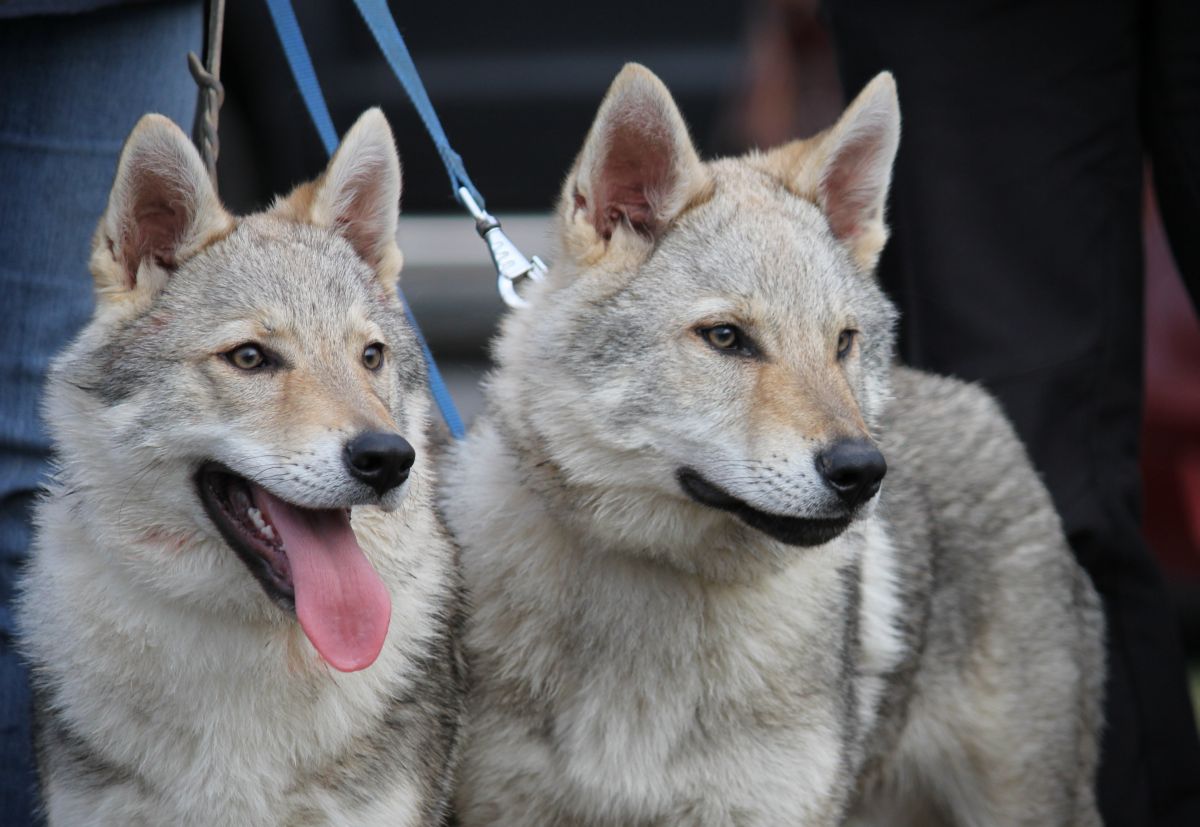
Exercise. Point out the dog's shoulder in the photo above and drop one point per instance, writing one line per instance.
(958, 455)
(933, 420)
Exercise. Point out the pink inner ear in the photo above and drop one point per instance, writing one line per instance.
(636, 169)
(359, 222)
(157, 227)
(851, 188)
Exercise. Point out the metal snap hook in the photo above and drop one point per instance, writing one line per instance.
(507, 284)
(511, 264)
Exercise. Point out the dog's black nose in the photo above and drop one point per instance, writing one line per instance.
(380, 460)
(853, 468)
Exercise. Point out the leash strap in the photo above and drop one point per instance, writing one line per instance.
(511, 264)
(383, 27)
(288, 28)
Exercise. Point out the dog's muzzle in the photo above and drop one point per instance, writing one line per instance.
(794, 531)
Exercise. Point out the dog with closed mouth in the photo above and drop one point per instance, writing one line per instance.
(696, 597)
(241, 607)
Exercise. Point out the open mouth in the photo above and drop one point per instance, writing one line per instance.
(307, 560)
(794, 531)
(229, 501)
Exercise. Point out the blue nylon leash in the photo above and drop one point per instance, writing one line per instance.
(511, 264)
(383, 27)
(288, 28)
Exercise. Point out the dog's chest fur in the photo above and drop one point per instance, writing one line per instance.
(153, 714)
(638, 687)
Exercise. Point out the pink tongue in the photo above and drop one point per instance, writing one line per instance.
(343, 606)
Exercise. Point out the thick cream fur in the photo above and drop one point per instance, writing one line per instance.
(642, 659)
(179, 692)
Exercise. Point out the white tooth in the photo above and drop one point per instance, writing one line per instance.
(256, 518)
(264, 528)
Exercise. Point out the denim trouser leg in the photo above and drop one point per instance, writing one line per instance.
(73, 87)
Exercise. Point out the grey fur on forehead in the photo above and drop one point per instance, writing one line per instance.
(786, 248)
(318, 262)
(298, 270)
(786, 261)
(267, 266)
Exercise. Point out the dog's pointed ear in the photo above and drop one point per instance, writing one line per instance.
(161, 210)
(847, 169)
(358, 195)
(638, 168)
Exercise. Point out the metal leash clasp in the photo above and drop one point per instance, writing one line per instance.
(511, 264)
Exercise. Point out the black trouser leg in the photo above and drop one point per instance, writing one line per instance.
(1016, 260)
(1171, 114)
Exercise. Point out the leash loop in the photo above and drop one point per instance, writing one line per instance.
(212, 94)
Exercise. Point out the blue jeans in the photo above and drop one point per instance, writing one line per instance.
(72, 88)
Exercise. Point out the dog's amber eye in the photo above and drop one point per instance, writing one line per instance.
(723, 337)
(845, 342)
(247, 357)
(373, 356)
(728, 338)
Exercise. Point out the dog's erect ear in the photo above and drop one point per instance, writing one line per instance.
(638, 169)
(358, 195)
(161, 210)
(847, 169)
